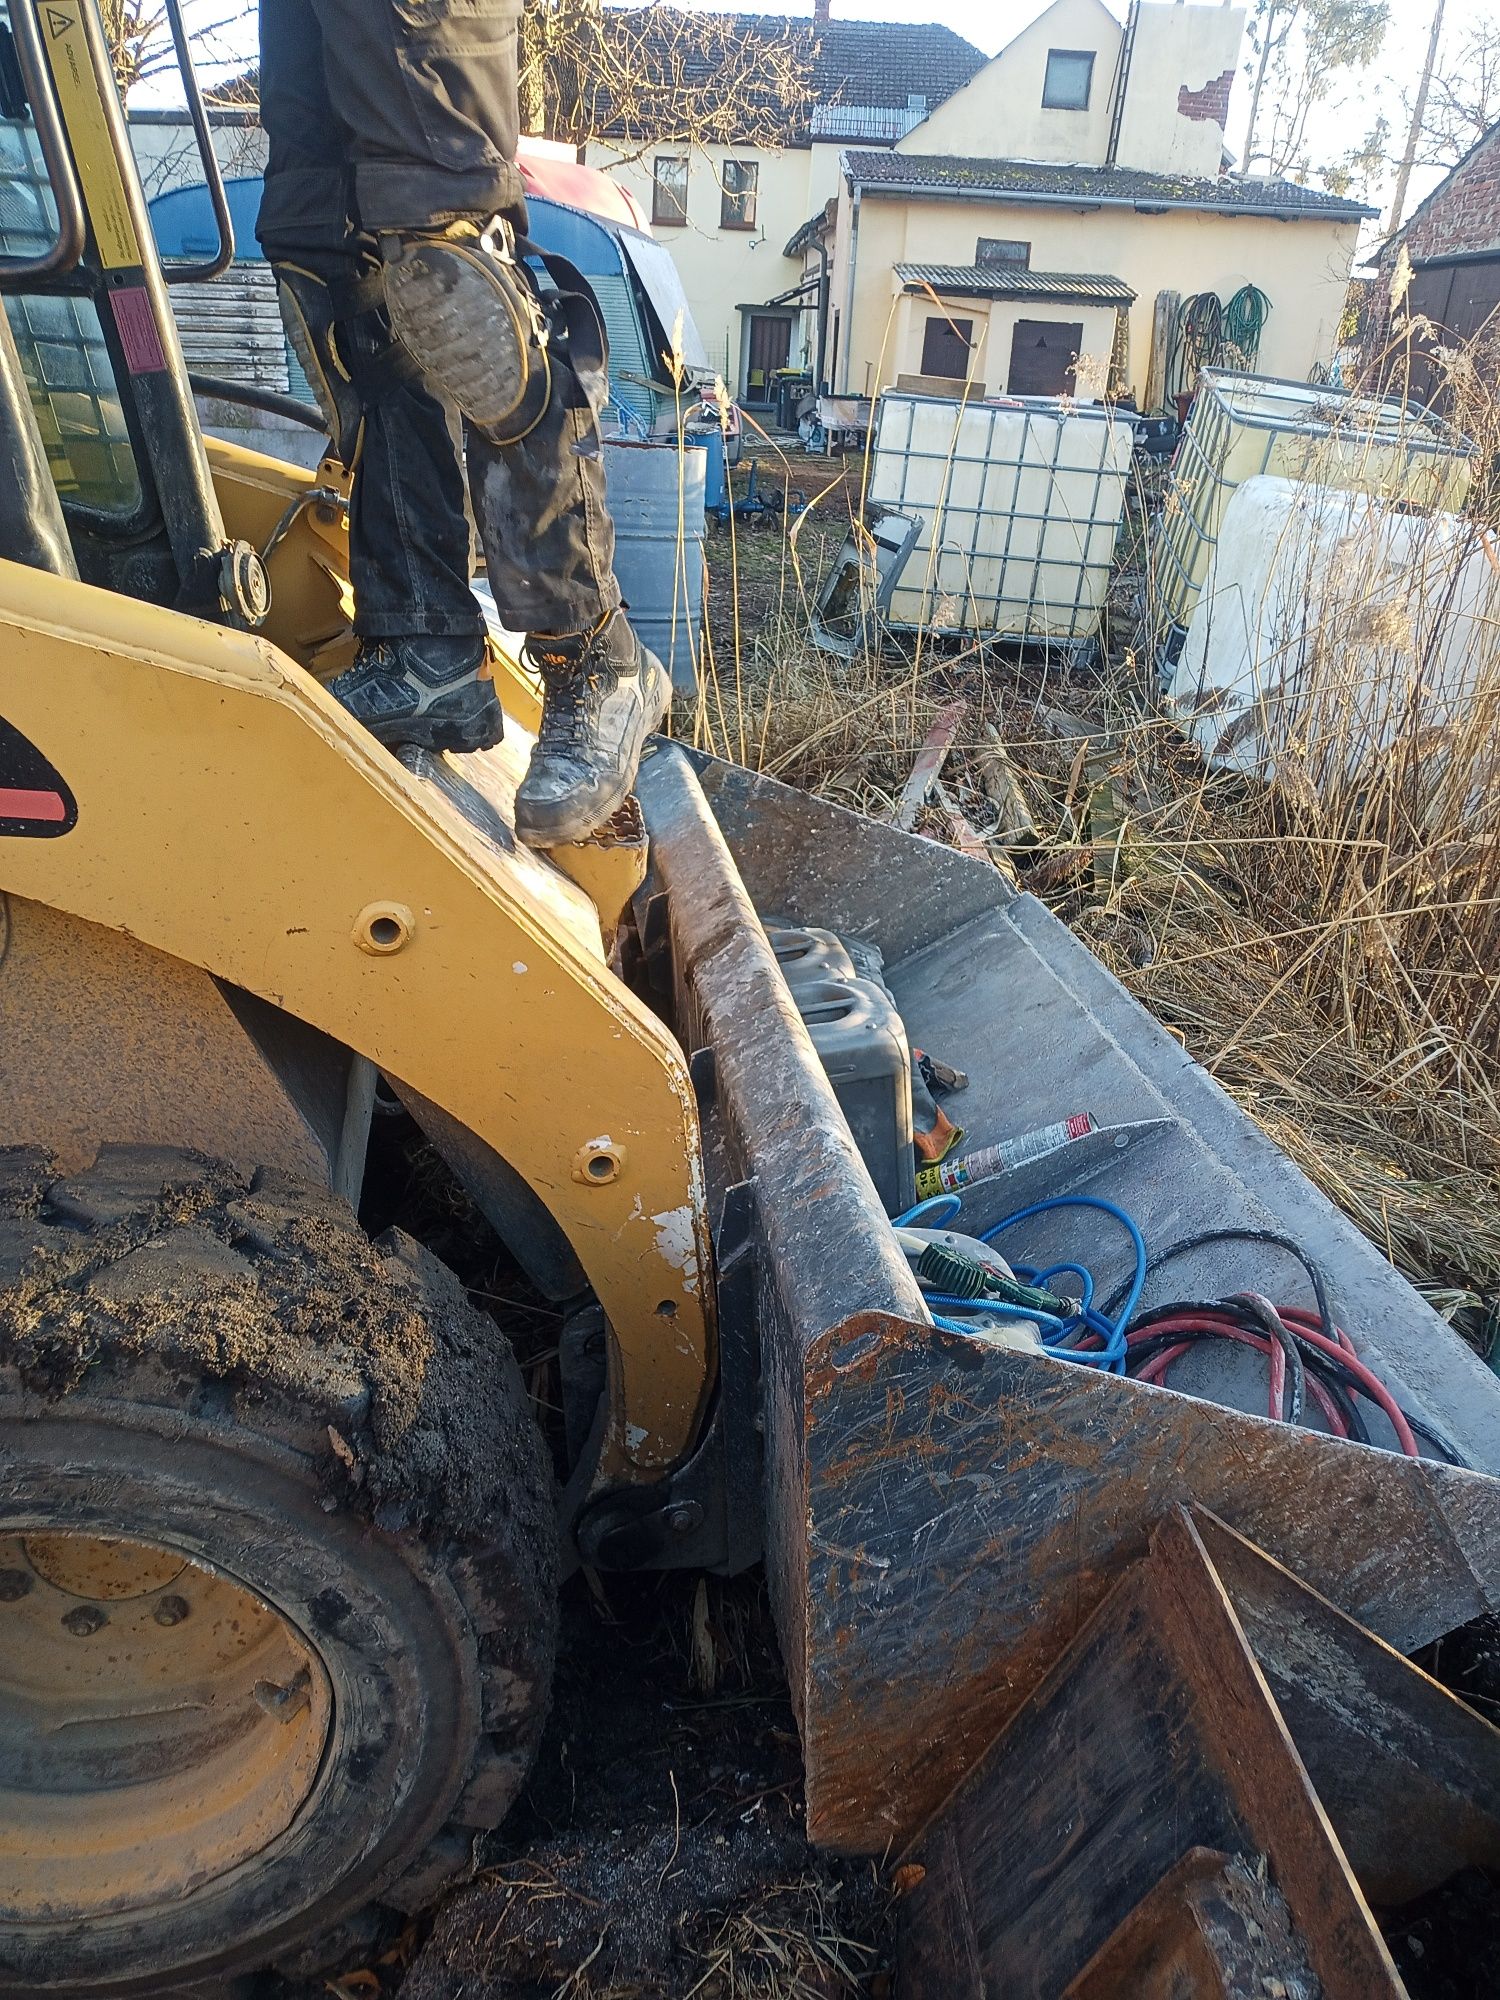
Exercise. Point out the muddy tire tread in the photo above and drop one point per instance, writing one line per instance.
(78, 1253)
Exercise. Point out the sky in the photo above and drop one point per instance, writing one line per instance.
(989, 24)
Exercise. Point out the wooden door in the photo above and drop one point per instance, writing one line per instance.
(770, 349)
(1044, 357)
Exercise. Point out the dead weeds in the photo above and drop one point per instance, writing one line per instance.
(1323, 943)
(660, 1850)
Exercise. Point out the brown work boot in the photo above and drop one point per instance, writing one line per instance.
(603, 693)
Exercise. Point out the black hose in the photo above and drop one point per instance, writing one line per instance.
(1207, 1236)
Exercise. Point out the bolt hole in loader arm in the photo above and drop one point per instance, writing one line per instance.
(620, 1073)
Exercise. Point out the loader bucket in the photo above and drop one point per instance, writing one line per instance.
(944, 1515)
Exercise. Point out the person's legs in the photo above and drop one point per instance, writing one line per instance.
(428, 91)
(420, 630)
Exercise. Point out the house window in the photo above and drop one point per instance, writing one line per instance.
(1070, 78)
(669, 191)
(946, 347)
(1003, 250)
(739, 180)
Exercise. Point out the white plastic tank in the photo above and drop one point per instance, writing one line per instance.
(1245, 425)
(1330, 624)
(1020, 500)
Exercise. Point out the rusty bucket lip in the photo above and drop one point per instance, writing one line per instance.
(163, 1724)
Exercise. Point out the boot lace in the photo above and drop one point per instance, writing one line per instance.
(571, 694)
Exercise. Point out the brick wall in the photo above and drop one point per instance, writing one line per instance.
(1464, 214)
(1211, 103)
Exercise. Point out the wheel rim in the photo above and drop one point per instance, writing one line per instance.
(160, 1725)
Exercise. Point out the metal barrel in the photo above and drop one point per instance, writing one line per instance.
(656, 497)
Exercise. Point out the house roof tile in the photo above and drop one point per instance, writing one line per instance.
(999, 281)
(1027, 180)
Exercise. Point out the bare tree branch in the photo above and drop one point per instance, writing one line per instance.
(657, 74)
(140, 40)
(1303, 54)
(1464, 98)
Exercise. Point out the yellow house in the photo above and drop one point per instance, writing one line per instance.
(1037, 232)
(725, 211)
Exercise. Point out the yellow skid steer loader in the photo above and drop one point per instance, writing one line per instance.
(1118, 1664)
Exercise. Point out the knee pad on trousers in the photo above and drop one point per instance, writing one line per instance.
(308, 314)
(463, 306)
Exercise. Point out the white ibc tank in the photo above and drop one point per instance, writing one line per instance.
(1020, 502)
(1332, 623)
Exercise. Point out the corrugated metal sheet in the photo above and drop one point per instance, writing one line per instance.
(1003, 281)
(232, 327)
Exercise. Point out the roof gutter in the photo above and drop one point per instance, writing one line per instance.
(1086, 203)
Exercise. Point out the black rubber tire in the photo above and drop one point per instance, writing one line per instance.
(196, 1358)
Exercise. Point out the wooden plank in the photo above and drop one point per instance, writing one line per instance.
(929, 763)
(1163, 319)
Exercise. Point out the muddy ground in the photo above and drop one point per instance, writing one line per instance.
(659, 1849)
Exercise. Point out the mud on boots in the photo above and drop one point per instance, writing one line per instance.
(603, 693)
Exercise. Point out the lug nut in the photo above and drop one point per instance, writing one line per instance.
(84, 1620)
(14, 1583)
(171, 1609)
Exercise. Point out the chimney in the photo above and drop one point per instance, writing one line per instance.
(821, 9)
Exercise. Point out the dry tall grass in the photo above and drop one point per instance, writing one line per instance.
(1322, 934)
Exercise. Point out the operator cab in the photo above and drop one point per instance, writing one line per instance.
(94, 400)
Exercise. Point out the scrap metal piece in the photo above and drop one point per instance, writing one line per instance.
(1213, 1927)
(1151, 1766)
(1408, 1774)
(857, 591)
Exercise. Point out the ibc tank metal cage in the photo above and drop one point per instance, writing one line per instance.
(1020, 501)
(1244, 425)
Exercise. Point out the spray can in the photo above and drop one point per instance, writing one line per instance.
(1004, 1158)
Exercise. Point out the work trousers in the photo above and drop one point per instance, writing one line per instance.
(397, 115)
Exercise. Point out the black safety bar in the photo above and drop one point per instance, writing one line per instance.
(223, 257)
(250, 397)
(20, 274)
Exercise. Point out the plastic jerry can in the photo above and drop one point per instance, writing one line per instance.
(807, 954)
(862, 1045)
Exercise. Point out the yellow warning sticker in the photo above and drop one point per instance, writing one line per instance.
(88, 133)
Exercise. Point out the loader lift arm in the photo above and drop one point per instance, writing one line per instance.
(153, 691)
